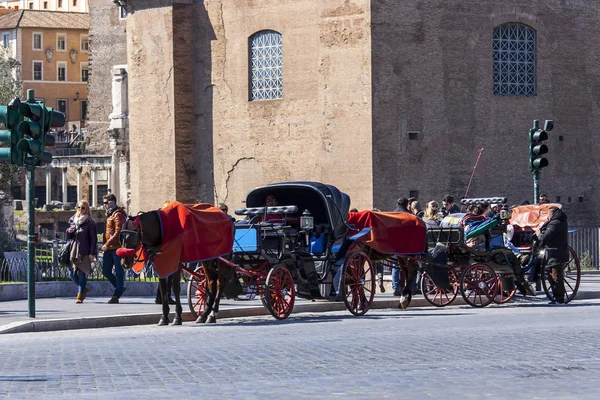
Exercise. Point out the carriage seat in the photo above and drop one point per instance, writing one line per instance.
(319, 238)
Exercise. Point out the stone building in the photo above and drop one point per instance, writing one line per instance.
(382, 98)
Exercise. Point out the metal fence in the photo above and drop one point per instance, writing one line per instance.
(13, 266)
(585, 240)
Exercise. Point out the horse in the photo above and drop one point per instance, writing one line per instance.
(144, 231)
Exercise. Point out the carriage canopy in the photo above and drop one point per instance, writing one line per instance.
(325, 202)
(391, 232)
(531, 216)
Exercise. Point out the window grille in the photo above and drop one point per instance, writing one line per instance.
(514, 60)
(266, 66)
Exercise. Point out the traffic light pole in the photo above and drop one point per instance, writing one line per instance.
(536, 187)
(31, 240)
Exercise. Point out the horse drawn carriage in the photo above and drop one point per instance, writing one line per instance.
(465, 254)
(525, 220)
(300, 248)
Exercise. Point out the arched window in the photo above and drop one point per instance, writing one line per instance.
(514, 60)
(266, 66)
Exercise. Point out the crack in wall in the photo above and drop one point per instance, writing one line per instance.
(224, 48)
(229, 175)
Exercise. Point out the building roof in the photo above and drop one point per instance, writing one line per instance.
(45, 19)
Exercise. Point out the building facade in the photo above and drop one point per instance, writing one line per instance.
(52, 49)
(47, 5)
(379, 97)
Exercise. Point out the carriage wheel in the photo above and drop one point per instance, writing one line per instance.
(572, 273)
(197, 292)
(479, 285)
(358, 283)
(436, 296)
(504, 296)
(279, 292)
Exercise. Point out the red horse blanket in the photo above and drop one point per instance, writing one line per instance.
(190, 233)
(391, 232)
(531, 216)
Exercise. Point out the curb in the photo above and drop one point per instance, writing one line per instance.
(112, 321)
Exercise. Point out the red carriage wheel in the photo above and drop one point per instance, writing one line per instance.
(279, 292)
(479, 285)
(436, 296)
(358, 283)
(572, 274)
(197, 292)
(503, 295)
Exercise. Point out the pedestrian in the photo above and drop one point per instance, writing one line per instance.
(553, 238)
(402, 205)
(448, 206)
(115, 218)
(82, 233)
(430, 216)
(415, 207)
(544, 199)
(493, 210)
(410, 202)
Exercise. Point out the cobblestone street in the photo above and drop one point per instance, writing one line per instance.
(524, 350)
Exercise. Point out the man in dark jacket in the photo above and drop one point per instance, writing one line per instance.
(402, 205)
(553, 238)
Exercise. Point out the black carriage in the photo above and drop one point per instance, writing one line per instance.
(300, 247)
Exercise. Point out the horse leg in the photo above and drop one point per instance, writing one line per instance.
(176, 286)
(410, 272)
(164, 294)
(220, 279)
(212, 290)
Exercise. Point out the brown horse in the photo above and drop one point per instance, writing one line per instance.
(145, 231)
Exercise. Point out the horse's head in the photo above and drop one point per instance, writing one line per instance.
(130, 238)
(140, 231)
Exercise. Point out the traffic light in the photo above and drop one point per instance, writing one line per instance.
(36, 130)
(33, 130)
(10, 134)
(536, 147)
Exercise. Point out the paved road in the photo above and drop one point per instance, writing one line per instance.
(520, 350)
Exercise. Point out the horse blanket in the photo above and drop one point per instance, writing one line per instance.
(190, 233)
(391, 232)
(531, 216)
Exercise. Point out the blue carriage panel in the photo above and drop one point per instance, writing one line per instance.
(246, 240)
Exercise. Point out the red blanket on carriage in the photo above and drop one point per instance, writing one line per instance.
(391, 232)
(190, 233)
(531, 216)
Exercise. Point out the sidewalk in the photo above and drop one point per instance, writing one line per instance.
(61, 313)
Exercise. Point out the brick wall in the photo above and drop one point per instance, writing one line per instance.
(432, 74)
(108, 47)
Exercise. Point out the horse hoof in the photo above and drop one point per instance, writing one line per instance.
(163, 321)
(201, 320)
(177, 321)
(211, 320)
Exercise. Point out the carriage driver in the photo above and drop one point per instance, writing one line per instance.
(271, 201)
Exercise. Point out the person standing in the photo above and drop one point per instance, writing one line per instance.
(448, 206)
(82, 232)
(115, 218)
(553, 238)
(402, 205)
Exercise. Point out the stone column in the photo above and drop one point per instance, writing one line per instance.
(79, 171)
(48, 185)
(111, 181)
(94, 189)
(64, 185)
(117, 132)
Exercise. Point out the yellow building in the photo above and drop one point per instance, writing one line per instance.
(52, 48)
(50, 5)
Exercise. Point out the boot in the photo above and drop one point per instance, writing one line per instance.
(80, 297)
(85, 292)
